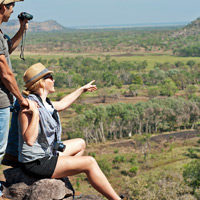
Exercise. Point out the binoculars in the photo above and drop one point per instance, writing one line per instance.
(25, 15)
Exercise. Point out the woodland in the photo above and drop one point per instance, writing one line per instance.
(148, 86)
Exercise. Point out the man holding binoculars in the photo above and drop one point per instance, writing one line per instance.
(8, 84)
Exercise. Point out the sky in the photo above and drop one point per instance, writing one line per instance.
(71, 13)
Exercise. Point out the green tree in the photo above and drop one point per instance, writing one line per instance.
(109, 78)
(60, 80)
(153, 91)
(191, 63)
(191, 90)
(137, 79)
(133, 89)
(155, 76)
(168, 88)
(179, 64)
(118, 84)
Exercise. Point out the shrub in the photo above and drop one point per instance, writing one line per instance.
(116, 151)
(152, 156)
(168, 88)
(133, 159)
(124, 172)
(119, 159)
(134, 170)
(77, 183)
(153, 91)
(191, 153)
(191, 174)
(93, 154)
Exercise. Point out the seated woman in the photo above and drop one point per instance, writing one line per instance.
(40, 138)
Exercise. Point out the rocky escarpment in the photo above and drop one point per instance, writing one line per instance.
(192, 29)
(46, 26)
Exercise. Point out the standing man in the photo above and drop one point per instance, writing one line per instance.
(8, 84)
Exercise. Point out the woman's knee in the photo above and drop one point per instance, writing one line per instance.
(90, 161)
(82, 144)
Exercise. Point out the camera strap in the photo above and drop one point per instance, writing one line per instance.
(55, 116)
(23, 46)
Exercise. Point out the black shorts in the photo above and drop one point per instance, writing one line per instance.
(41, 168)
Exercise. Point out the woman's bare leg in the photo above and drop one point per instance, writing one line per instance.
(74, 147)
(70, 165)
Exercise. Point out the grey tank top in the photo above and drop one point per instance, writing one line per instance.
(39, 149)
(42, 146)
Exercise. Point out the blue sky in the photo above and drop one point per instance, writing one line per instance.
(110, 12)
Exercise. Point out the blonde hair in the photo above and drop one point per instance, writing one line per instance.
(34, 88)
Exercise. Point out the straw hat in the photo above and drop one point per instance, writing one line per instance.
(9, 1)
(35, 73)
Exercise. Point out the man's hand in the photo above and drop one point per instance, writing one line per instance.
(24, 103)
(32, 109)
(18, 36)
(23, 24)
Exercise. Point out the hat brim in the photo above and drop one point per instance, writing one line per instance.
(9, 1)
(27, 85)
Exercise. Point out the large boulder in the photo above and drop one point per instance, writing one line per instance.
(20, 186)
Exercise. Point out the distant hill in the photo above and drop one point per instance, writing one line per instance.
(47, 26)
(187, 40)
(125, 40)
(194, 24)
(192, 28)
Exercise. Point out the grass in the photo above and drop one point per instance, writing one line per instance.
(153, 59)
(162, 163)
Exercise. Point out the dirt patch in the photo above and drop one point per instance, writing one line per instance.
(159, 139)
(138, 54)
(127, 55)
(175, 136)
(109, 100)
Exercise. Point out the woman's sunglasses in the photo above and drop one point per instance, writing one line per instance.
(9, 5)
(48, 76)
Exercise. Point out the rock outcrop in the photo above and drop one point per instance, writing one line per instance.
(47, 26)
(20, 186)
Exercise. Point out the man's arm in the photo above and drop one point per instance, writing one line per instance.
(9, 81)
(18, 36)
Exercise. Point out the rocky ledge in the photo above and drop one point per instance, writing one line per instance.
(20, 186)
